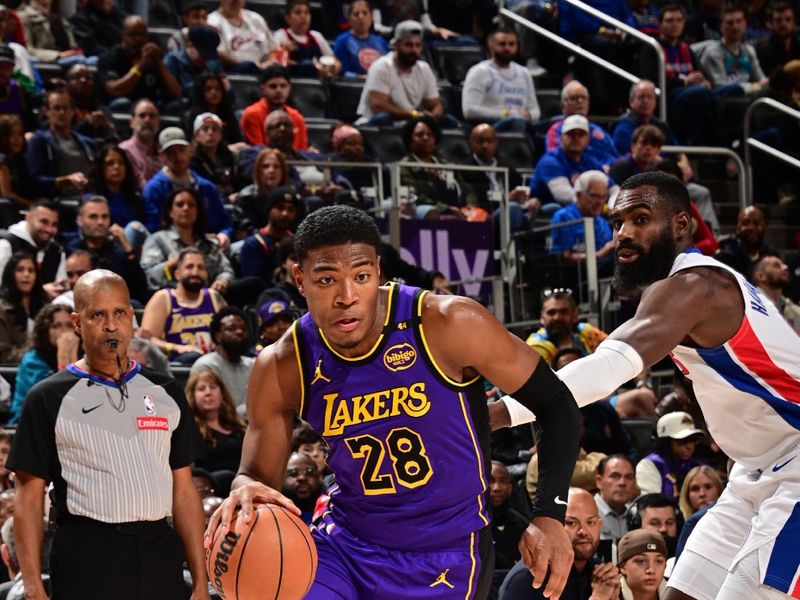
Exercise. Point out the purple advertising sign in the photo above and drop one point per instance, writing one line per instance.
(459, 250)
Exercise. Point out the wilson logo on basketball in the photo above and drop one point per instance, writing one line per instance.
(400, 357)
(226, 548)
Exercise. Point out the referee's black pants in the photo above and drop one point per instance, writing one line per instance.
(91, 560)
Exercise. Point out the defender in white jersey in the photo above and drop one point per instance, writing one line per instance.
(744, 361)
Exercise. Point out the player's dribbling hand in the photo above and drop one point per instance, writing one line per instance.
(246, 497)
(546, 543)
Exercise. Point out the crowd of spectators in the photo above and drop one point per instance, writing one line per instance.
(181, 160)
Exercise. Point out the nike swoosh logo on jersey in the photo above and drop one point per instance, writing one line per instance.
(777, 468)
(558, 500)
(86, 411)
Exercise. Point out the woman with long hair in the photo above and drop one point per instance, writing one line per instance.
(220, 425)
(250, 209)
(14, 174)
(210, 95)
(701, 487)
(54, 345)
(113, 177)
(21, 299)
(183, 225)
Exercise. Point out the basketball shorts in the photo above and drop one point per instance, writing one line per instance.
(351, 569)
(757, 514)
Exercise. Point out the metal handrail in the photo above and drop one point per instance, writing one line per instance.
(645, 39)
(592, 280)
(328, 164)
(507, 265)
(745, 192)
(751, 142)
(553, 37)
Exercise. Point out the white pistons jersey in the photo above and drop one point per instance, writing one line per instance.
(749, 387)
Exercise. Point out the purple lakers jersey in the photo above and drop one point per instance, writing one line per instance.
(409, 446)
(190, 325)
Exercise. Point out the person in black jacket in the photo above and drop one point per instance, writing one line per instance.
(109, 247)
(97, 26)
(36, 234)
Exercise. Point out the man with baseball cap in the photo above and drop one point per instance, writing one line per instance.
(176, 152)
(557, 170)
(199, 55)
(13, 99)
(399, 85)
(575, 101)
(642, 559)
(276, 316)
(259, 257)
(663, 470)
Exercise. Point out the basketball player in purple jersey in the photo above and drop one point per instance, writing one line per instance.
(390, 376)
(744, 361)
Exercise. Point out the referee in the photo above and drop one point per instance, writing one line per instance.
(116, 439)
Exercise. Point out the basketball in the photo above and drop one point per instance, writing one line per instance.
(272, 556)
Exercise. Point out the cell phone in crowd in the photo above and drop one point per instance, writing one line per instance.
(605, 551)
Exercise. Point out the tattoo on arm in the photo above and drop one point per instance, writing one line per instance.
(714, 279)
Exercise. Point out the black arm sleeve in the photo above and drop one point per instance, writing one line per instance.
(557, 438)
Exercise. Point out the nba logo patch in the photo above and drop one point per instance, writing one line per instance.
(149, 405)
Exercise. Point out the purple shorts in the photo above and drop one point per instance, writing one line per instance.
(352, 569)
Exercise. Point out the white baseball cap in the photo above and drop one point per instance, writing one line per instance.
(677, 425)
(575, 122)
(172, 136)
(201, 119)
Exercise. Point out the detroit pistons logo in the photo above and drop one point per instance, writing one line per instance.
(400, 357)
(149, 405)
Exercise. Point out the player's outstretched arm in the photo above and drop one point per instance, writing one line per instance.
(699, 303)
(273, 398)
(466, 337)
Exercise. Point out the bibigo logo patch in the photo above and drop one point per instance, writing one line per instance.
(400, 357)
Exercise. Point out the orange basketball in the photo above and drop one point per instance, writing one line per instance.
(272, 556)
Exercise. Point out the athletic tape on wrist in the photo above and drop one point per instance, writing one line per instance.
(518, 413)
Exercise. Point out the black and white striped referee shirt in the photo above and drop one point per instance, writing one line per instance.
(109, 458)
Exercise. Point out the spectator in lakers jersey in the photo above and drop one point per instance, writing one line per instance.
(178, 321)
(13, 98)
(561, 326)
